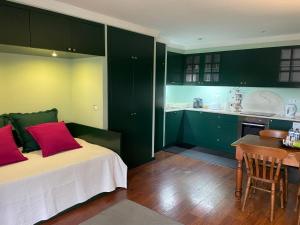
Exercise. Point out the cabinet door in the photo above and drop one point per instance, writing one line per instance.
(143, 97)
(280, 124)
(175, 68)
(130, 89)
(87, 37)
(173, 131)
(159, 95)
(50, 30)
(14, 25)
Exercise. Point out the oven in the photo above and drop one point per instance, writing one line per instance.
(252, 125)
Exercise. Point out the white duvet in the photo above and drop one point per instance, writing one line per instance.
(40, 188)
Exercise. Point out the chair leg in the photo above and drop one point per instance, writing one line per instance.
(282, 193)
(272, 201)
(246, 193)
(286, 183)
(297, 199)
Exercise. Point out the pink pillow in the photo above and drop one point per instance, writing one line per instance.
(9, 152)
(53, 138)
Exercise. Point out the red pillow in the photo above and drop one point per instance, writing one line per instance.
(9, 152)
(53, 138)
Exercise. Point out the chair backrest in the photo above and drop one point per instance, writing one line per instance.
(273, 133)
(263, 162)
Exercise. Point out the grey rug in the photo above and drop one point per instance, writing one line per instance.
(129, 213)
(198, 155)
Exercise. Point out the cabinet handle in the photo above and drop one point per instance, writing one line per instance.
(218, 140)
(219, 127)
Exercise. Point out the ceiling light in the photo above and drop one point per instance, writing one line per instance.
(200, 38)
(54, 54)
(263, 31)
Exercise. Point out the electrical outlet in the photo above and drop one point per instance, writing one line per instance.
(296, 126)
(95, 108)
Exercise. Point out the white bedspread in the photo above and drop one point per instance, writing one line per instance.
(40, 188)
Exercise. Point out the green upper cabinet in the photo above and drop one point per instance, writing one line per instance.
(251, 68)
(14, 24)
(175, 66)
(50, 30)
(289, 70)
(192, 68)
(55, 31)
(87, 37)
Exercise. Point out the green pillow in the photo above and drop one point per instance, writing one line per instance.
(22, 120)
(3, 120)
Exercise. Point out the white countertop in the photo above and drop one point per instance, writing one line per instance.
(222, 111)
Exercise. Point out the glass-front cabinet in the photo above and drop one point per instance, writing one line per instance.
(290, 65)
(211, 68)
(192, 69)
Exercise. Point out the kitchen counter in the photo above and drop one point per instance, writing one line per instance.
(222, 111)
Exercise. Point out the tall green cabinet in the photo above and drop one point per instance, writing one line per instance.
(130, 92)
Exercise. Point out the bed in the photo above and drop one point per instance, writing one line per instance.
(40, 188)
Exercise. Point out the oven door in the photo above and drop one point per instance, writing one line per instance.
(251, 128)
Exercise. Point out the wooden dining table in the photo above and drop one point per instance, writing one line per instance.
(256, 140)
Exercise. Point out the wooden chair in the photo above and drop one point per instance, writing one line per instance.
(297, 155)
(279, 134)
(263, 165)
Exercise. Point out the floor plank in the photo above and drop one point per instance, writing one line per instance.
(189, 191)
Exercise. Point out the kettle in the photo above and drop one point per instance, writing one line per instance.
(290, 110)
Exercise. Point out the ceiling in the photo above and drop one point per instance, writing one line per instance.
(206, 23)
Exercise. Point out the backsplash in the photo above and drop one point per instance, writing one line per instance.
(254, 99)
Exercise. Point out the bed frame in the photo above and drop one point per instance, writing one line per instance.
(105, 138)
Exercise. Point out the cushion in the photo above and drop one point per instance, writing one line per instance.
(9, 152)
(53, 138)
(3, 120)
(22, 120)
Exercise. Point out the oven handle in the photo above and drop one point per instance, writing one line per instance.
(253, 124)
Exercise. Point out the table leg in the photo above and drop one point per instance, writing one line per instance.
(239, 179)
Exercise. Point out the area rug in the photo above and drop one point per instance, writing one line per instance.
(196, 153)
(127, 212)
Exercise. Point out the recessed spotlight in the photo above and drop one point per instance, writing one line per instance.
(199, 39)
(54, 54)
(263, 31)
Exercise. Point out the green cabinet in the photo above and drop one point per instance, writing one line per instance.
(55, 31)
(210, 130)
(250, 68)
(175, 67)
(14, 24)
(159, 96)
(173, 128)
(280, 124)
(130, 93)
(192, 67)
(87, 37)
(49, 30)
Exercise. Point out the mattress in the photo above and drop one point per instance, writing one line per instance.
(39, 188)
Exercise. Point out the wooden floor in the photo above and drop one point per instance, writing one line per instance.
(189, 191)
